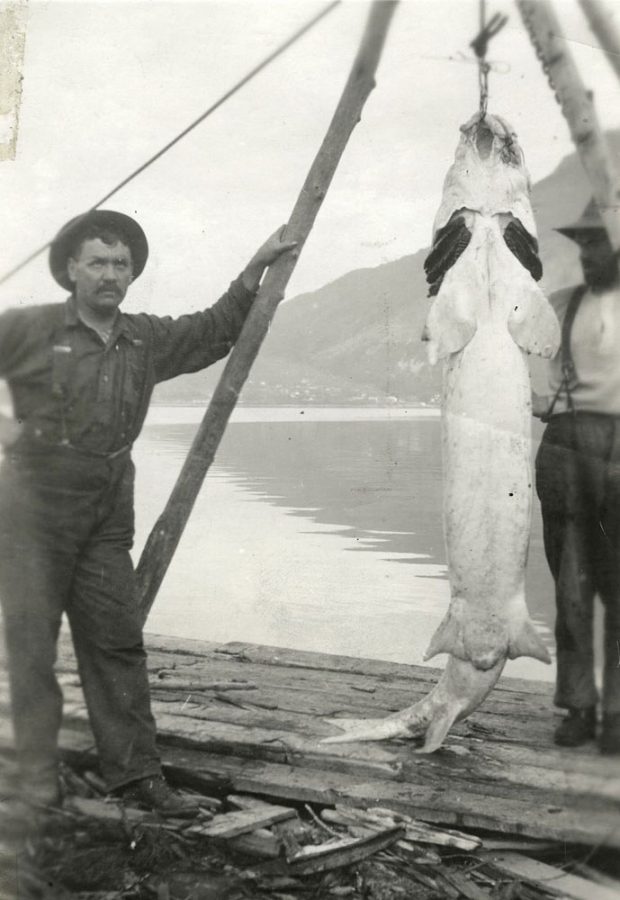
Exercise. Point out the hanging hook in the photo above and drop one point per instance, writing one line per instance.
(480, 45)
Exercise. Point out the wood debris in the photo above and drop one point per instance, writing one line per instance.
(194, 686)
(227, 825)
(550, 878)
(339, 852)
(417, 831)
(243, 845)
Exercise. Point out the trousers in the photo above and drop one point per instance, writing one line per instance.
(578, 483)
(66, 531)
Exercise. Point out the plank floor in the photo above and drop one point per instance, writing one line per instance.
(254, 715)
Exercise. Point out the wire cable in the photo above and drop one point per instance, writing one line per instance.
(250, 75)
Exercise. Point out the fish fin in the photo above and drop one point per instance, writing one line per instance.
(451, 322)
(439, 727)
(524, 246)
(446, 639)
(366, 730)
(532, 322)
(449, 243)
(527, 642)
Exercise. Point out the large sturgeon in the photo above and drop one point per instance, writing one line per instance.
(488, 315)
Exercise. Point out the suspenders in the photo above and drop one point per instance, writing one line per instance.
(567, 363)
(61, 365)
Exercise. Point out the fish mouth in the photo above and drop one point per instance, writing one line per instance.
(493, 136)
(484, 140)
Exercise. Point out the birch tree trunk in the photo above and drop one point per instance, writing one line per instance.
(578, 108)
(602, 26)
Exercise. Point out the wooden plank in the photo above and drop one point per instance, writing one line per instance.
(475, 779)
(229, 825)
(103, 811)
(463, 810)
(416, 831)
(292, 784)
(549, 878)
(390, 694)
(332, 664)
(308, 659)
(475, 767)
(261, 843)
(342, 852)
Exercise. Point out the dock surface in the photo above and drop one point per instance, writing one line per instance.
(255, 715)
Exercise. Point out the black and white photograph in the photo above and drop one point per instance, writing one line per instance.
(309, 449)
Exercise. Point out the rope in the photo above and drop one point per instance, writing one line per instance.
(483, 66)
(250, 75)
(480, 46)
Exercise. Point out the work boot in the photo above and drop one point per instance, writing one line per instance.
(577, 728)
(154, 793)
(610, 734)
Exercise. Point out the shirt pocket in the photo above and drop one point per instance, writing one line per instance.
(134, 386)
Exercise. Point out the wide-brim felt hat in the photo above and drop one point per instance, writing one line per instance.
(64, 243)
(589, 219)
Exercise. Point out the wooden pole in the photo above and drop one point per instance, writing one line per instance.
(600, 22)
(578, 108)
(164, 537)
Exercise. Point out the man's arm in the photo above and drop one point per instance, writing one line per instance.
(12, 339)
(195, 341)
(540, 404)
(266, 254)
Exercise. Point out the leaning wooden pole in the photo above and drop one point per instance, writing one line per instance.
(600, 21)
(165, 536)
(578, 108)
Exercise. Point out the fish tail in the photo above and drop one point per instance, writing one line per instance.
(460, 689)
(440, 725)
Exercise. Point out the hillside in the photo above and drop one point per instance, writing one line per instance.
(357, 339)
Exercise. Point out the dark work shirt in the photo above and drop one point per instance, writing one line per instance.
(69, 387)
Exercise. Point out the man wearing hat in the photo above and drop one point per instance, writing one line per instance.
(81, 374)
(578, 482)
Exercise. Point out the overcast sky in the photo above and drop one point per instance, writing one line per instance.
(106, 84)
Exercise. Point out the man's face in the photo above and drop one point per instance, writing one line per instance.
(101, 274)
(598, 261)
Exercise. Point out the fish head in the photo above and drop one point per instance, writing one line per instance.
(488, 175)
(492, 139)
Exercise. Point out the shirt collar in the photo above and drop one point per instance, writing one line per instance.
(72, 319)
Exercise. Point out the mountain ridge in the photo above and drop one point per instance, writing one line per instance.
(356, 339)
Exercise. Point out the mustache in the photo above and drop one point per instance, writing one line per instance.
(107, 288)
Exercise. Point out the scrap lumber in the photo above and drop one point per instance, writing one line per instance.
(548, 878)
(261, 842)
(415, 831)
(412, 852)
(464, 885)
(228, 825)
(340, 852)
(423, 833)
(182, 684)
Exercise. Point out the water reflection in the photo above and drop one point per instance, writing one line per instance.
(374, 484)
(379, 481)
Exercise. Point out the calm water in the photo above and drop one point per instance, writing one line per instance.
(315, 529)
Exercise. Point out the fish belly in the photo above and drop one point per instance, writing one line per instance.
(486, 445)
